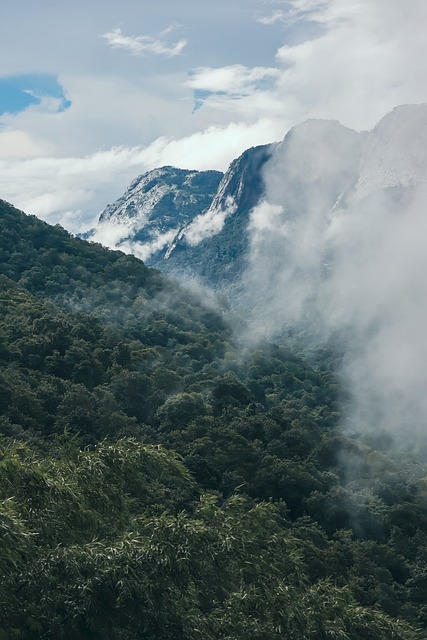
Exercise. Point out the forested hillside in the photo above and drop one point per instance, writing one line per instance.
(159, 483)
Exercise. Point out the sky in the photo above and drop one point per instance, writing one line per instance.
(95, 92)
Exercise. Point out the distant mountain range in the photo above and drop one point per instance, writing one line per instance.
(201, 224)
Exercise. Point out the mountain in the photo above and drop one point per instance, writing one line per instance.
(395, 154)
(317, 162)
(187, 222)
(213, 245)
(157, 481)
(154, 208)
(318, 168)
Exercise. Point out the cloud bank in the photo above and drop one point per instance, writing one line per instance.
(73, 191)
(336, 255)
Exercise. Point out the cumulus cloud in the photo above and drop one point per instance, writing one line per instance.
(233, 79)
(368, 60)
(352, 61)
(141, 45)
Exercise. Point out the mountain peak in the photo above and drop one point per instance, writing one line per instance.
(316, 162)
(154, 207)
(396, 151)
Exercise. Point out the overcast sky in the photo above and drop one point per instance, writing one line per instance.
(95, 92)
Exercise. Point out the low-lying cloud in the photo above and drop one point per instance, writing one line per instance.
(209, 223)
(336, 261)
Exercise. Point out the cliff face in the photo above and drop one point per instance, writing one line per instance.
(154, 208)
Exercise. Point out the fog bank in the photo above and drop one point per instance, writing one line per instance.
(338, 246)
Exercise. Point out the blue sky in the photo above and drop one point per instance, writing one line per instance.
(94, 93)
(18, 93)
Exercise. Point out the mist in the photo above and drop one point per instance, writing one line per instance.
(338, 253)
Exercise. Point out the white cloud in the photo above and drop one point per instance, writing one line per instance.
(112, 233)
(247, 92)
(276, 16)
(140, 45)
(369, 59)
(233, 79)
(364, 59)
(145, 251)
(294, 11)
(354, 264)
(106, 111)
(115, 234)
(210, 223)
(18, 143)
(361, 60)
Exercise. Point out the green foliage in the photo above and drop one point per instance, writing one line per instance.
(92, 546)
(157, 483)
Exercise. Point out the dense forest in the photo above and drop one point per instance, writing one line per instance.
(160, 482)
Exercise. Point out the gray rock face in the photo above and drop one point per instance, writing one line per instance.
(154, 208)
(213, 246)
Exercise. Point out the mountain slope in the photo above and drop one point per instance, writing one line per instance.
(105, 536)
(213, 245)
(154, 208)
(395, 153)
